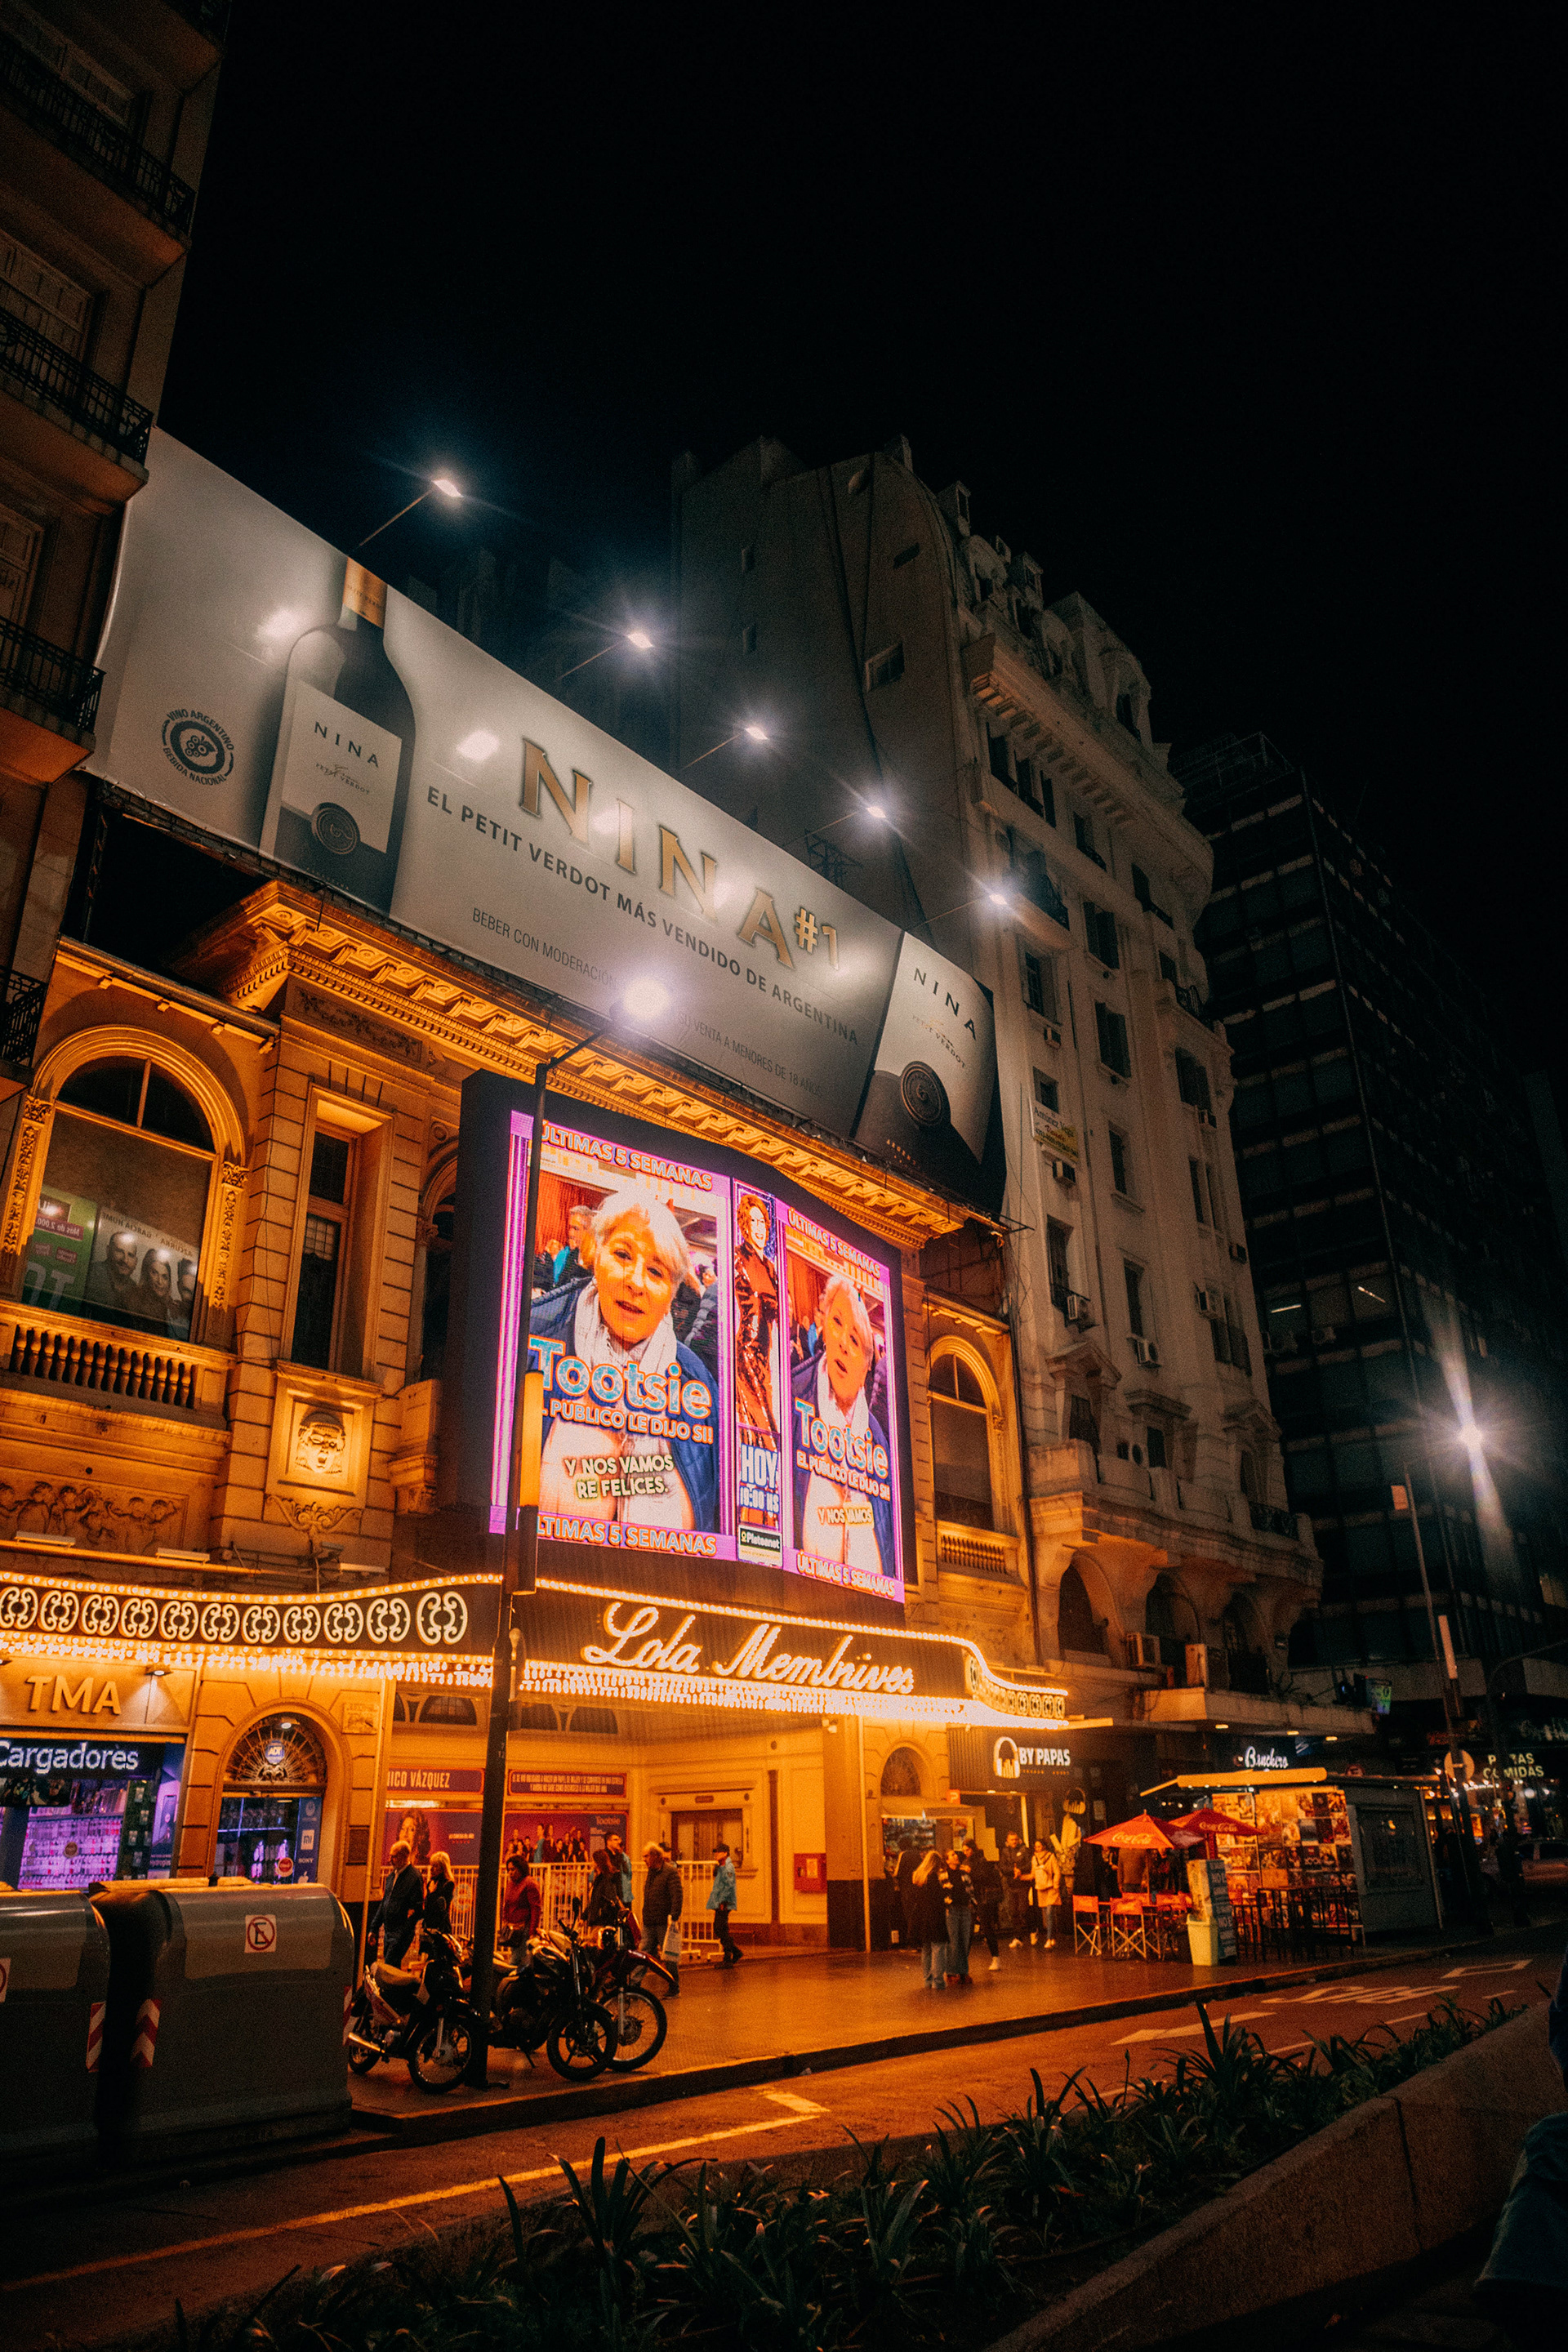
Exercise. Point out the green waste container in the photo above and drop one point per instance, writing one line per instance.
(1203, 1937)
(228, 2015)
(54, 1983)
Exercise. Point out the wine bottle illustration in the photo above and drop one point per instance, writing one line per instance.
(346, 752)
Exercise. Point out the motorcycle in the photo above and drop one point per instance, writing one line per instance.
(628, 1982)
(545, 1998)
(425, 2020)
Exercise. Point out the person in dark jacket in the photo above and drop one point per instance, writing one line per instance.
(402, 1902)
(663, 1896)
(658, 1469)
(960, 1914)
(521, 1900)
(903, 1881)
(928, 1919)
(986, 1881)
(605, 1906)
(440, 1890)
(1511, 1866)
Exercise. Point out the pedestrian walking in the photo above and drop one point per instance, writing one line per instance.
(397, 1913)
(1511, 1870)
(985, 1879)
(521, 1900)
(440, 1890)
(663, 1896)
(721, 1902)
(1017, 1889)
(1046, 1871)
(929, 1920)
(960, 1895)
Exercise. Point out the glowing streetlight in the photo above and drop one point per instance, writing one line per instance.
(749, 729)
(443, 483)
(758, 734)
(637, 637)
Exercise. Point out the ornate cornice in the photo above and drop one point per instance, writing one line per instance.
(467, 1021)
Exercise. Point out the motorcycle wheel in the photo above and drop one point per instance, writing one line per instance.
(581, 2046)
(640, 2023)
(442, 2057)
(361, 2022)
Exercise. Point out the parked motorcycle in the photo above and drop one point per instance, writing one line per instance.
(545, 1998)
(628, 1982)
(425, 2020)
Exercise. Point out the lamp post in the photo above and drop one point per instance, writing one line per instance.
(751, 730)
(519, 1549)
(1443, 1658)
(639, 638)
(442, 482)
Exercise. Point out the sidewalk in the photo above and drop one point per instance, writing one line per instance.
(775, 2017)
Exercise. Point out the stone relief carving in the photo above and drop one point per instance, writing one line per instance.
(231, 1183)
(129, 1524)
(316, 1520)
(30, 1125)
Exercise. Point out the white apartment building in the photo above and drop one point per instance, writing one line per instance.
(977, 764)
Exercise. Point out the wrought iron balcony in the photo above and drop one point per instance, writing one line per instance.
(19, 1018)
(1268, 1521)
(62, 684)
(94, 138)
(1191, 1002)
(28, 358)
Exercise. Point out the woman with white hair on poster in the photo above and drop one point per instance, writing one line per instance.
(629, 1411)
(843, 1506)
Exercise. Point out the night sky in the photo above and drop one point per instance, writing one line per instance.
(1242, 325)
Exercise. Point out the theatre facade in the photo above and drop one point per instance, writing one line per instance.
(260, 1236)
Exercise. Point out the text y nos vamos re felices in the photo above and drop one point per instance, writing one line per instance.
(634, 1643)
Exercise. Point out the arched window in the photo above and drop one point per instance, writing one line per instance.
(124, 1200)
(448, 1706)
(1078, 1628)
(437, 1283)
(961, 1442)
(1170, 1616)
(901, 1774)
(270, 1820)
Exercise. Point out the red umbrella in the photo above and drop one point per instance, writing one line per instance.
(1210, 1826)
(1142, 1830)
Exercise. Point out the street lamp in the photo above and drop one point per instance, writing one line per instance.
(643, 1001)
(751, 730)
(1404, 1499)
(443, 483)
(637, 637)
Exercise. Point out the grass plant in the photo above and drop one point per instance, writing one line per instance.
(956, 2244)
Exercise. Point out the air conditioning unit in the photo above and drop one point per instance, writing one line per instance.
(1238, 1253)
(1207, 1119)
(1052, 1035)
(1146, 1351)
(1078, 1309)
(1197, 1666)
(1143, 1650)
(1064, 1171)
(1211, 1303)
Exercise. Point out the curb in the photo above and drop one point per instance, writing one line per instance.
(1383, 2189)
(431, 2126)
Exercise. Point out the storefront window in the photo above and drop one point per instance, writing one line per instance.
(124, 1202)
(961, 1440)
(269, 1823)
(74, 1811)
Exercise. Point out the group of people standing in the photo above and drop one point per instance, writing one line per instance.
(611, 1895)
(949, 1899)
(412, 1898)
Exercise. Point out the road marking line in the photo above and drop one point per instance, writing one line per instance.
(802, 2110)
(1164, 2033)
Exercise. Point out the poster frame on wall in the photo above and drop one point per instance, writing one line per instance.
(488, 1287)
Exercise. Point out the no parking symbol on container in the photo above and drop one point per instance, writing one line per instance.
(260, 1933)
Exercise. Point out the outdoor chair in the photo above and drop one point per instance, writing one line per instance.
(1129, 1935)
(1086, 1935)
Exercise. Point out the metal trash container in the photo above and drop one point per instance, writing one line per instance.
(54, 1983)
(227, 2014)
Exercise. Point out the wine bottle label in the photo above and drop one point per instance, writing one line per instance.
(340, 772)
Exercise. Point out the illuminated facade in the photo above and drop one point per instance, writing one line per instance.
(236, 1620)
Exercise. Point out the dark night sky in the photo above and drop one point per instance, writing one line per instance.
(1242, 325)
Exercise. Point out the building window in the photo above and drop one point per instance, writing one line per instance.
(1120, 1163)
(901, 1774)
(1134, 1279)
(885, 668)
(1193, 1081)
(1038, 974)
(1078, 1628)
(1212, 1185)
(1056, 1239)
(1048, 1094)
(1048, 796)
(1154, 1438)
(1099, 931)
(999, 767)
(1083, 834)
(1112, 1034)
(1127, 713)
(1033, 877)
(1197, 1175)
(749, 638)
(270, 1816)
(749, 556)
(323, 1250)
(1230, 1341)
(438, 1293)
(124, 1200)
(961, 1442)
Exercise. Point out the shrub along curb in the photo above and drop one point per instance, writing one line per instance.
(1389, 2183)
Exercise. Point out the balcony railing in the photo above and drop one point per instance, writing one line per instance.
(1269, 1521)
(978, 1551)
(112, 1366)
(28, 358)
(62, 684)
(1191, 1002)
(19, 1018)
(96, 141)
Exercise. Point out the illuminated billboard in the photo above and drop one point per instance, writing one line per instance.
(721, 1368)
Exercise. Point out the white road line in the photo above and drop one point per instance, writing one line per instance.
(1166, 2032)
(802, 2109)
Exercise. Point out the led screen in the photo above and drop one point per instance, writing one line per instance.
(719, 1369)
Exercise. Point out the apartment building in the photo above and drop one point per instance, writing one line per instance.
(1409, 1277)
(863, 676)
(104, 114)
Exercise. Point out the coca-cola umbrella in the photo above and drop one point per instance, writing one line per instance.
(1144, 1831)
(1211, 1825)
